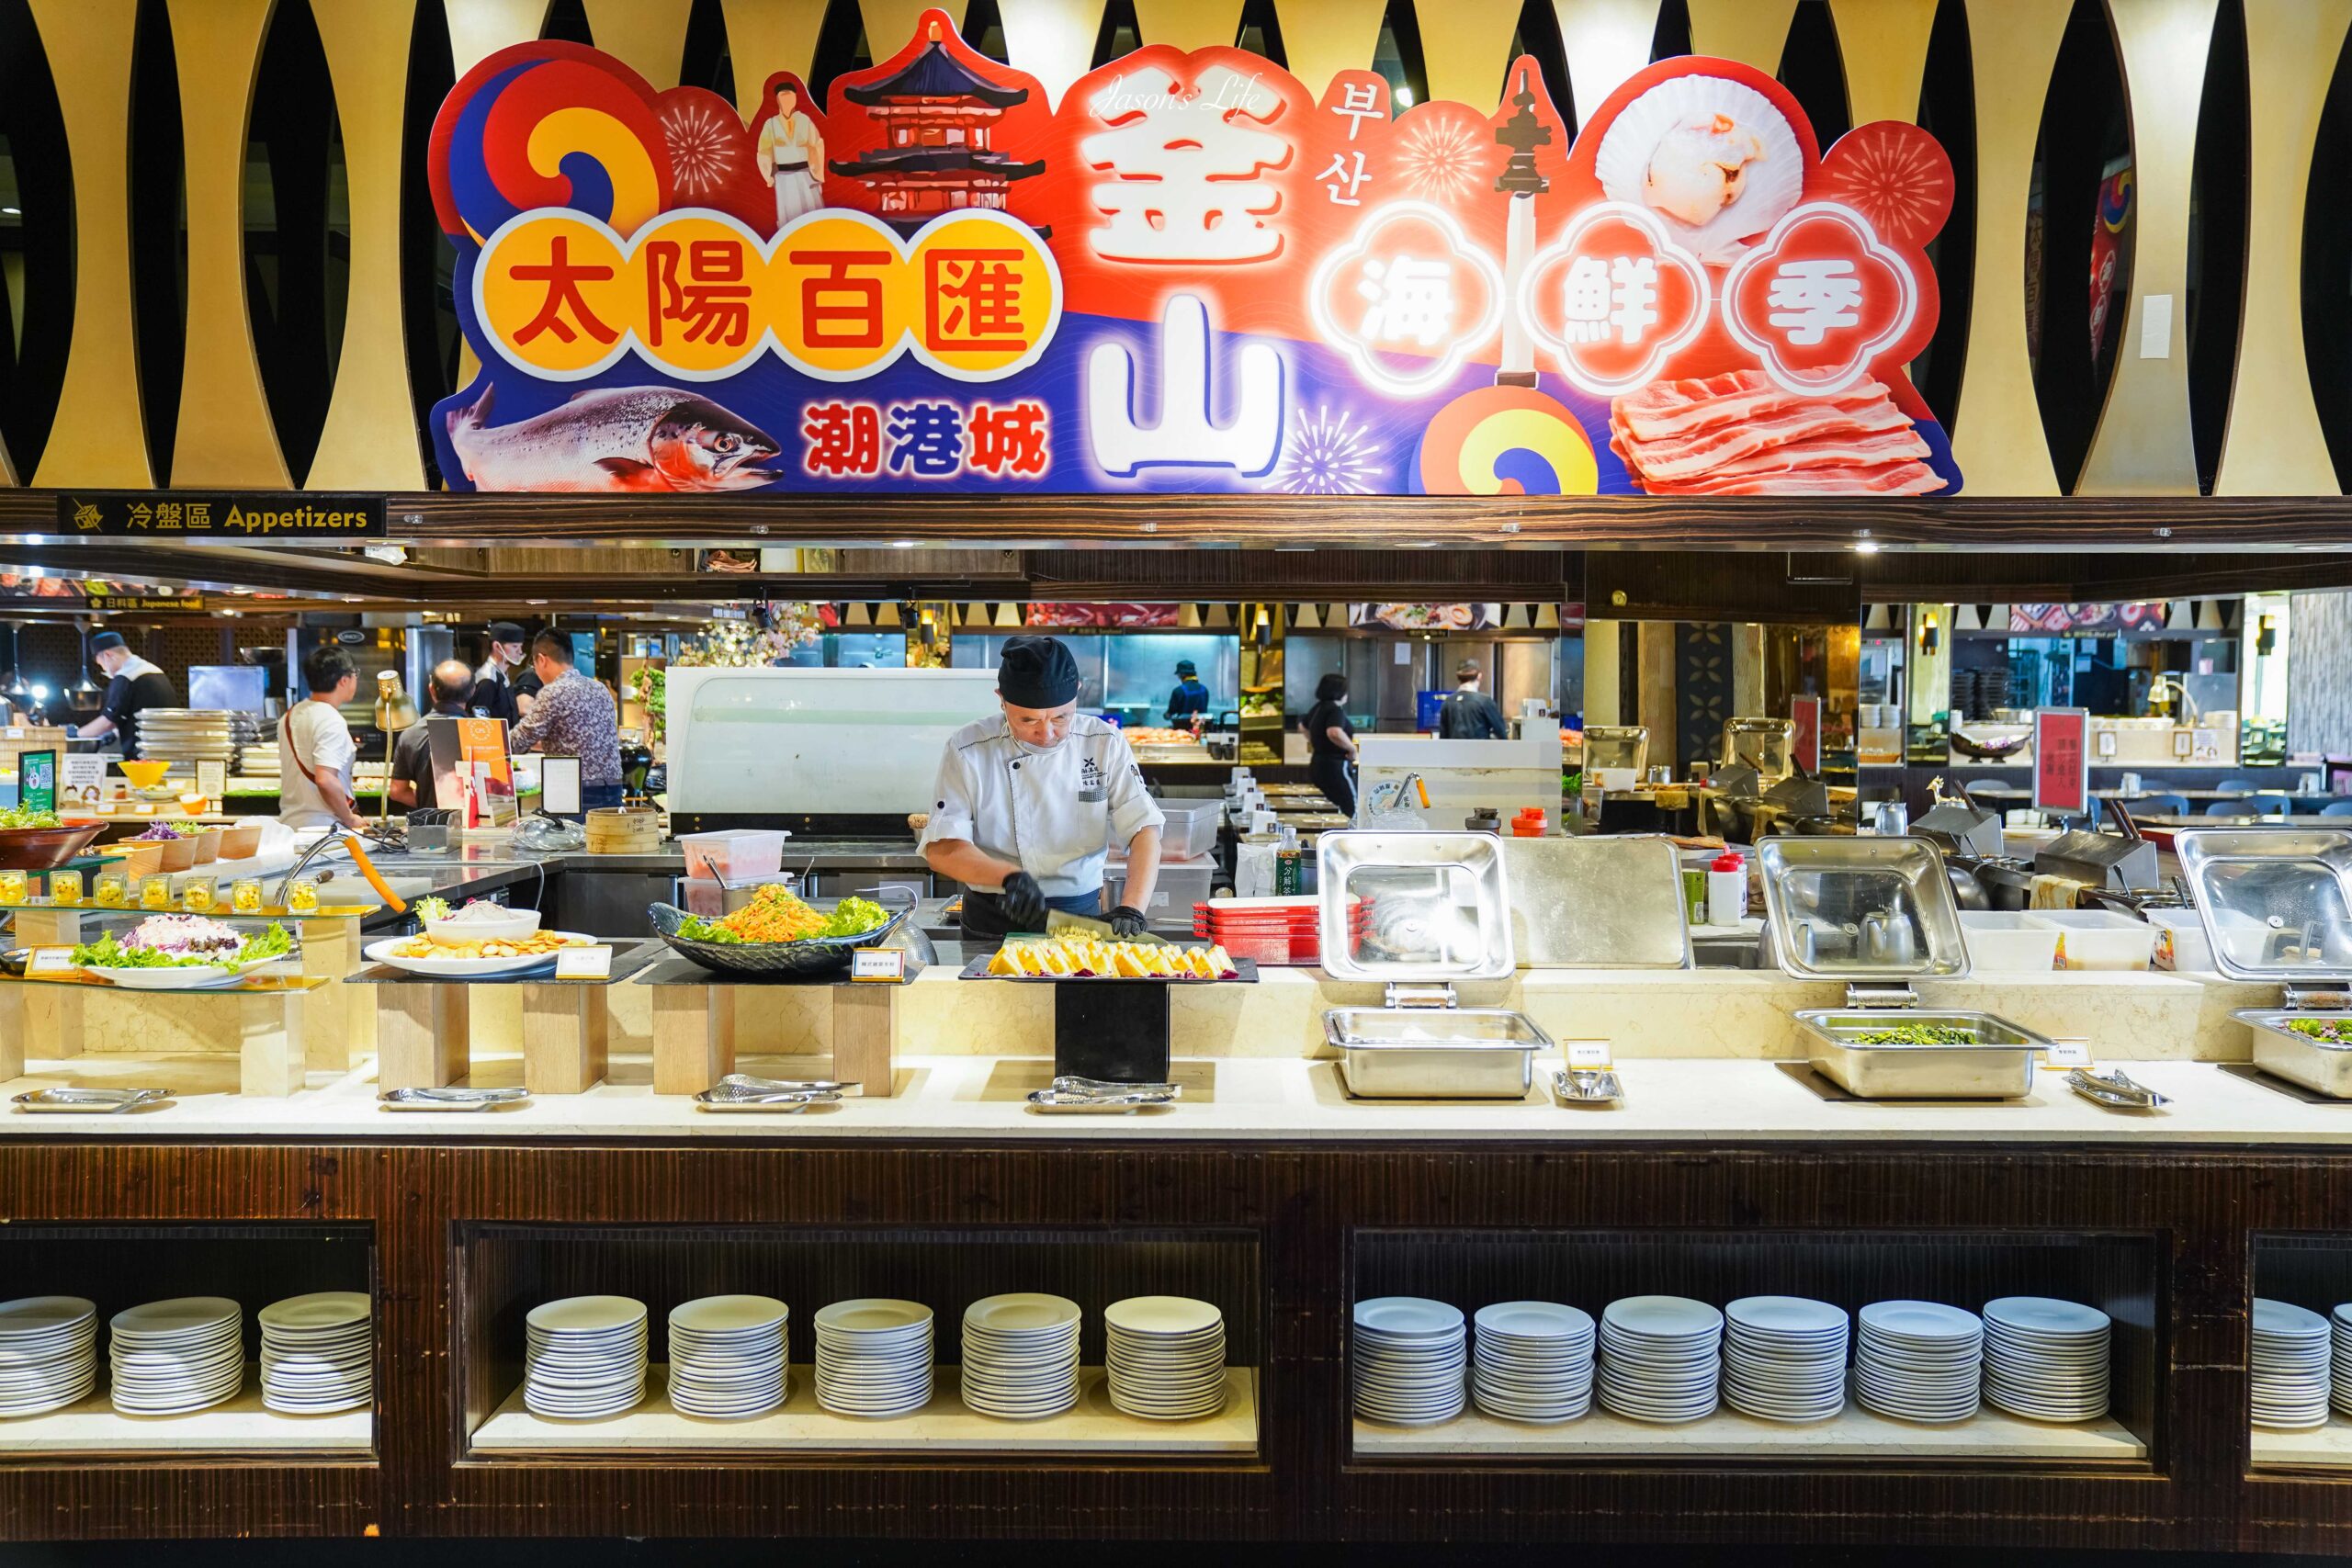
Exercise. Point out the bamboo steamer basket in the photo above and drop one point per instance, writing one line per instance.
(624, 830)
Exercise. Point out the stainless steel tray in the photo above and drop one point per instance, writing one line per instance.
(1602, 902)
(1998, 1064)
(1073, 1102)
(67, 1100)
(1435, 1053)
(449, 1098)
(2314, 1063)
(1826, 896)
(1414, 906)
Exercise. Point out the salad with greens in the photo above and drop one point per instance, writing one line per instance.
(16, 816)
(775, 914)
(184, 941)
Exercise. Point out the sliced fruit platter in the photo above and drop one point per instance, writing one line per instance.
(181, 953)
(779, 933)
(1076, 957)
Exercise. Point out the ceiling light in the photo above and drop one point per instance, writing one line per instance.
(902, 544)
(1866, 546)
(11, 212)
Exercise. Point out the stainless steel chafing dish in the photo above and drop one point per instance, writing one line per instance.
(1878, 913)
(2276, 906)
(1417, 911)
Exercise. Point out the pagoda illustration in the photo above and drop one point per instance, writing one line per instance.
(938, 115)
(1521, 134)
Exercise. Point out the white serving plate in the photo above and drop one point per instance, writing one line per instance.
(191, 977)
(511, 925)
(466, 968)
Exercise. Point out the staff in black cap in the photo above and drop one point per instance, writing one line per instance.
(133, 686)
(1190, 700)
(1030, 800)
(495, 688)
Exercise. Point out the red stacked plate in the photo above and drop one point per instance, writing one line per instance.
(1271, 930)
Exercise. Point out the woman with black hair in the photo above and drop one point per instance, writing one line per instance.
(1331, 745)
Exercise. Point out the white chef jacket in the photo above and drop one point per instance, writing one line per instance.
(1052, 813)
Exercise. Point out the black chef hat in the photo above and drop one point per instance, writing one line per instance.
(505, 631)
(1036, 672)
(1186, 668)
(105, 641)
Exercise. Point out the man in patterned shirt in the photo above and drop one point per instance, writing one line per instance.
(575, 717)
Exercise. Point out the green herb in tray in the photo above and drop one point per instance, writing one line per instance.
(16, 816)
(1915, 1034)
(2326, 1030)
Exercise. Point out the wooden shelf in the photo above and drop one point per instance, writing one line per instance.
(944, 1425)
(1854, 1433)
(242, 1425)
(2322, 1447)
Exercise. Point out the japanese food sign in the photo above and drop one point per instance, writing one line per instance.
(1190, 274)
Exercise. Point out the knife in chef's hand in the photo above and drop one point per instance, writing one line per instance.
(1060, 920)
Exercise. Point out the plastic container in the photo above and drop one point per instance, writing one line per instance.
(2098, 939)
(1726, 889)
(1191, 829)
(2008, 941)
(734, 854)
(2181, 941)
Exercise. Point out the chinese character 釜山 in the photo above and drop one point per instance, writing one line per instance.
(1009, 440)
(1185, 167)
(1809, 298)
(1619, 295)
(713, 299)
(140, 514)
(843, 438)
(972, 301)
(926, 439)
(1339, 172)
(838, 310)
(168, 514)
(1359, 101)
(563, 280)
(1410, 298)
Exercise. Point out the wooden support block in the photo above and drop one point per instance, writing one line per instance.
(50, 926)
(694, 1037)
(565, 1031)
(495, 1020)
(864, 1054)
(38, 1021)
(269, 1043)
(333, 1032)
(14, 1005)
(421, 1039)
(52, 1014)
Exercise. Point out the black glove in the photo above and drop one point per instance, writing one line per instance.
(1024, 903)
(1126, 921)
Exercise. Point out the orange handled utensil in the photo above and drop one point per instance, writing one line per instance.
(375, 879)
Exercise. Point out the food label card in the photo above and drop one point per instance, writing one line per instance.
(2068, 1054)
(1588, 1056)
(583, 963)
(878, 964)
(50, 961)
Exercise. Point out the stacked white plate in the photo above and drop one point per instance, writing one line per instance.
(2340, 1321)
(873, 1357)
(2046, 1360)
(1021, 1356)
(1533, 1361)
(1919, 1360)
(2290, 1366)
(1784, 1358)
(174, 1357)
(727, 1357)
(49, 1353)
(318, 1353)
(1409, 1359)
(586, 1357)
(1165, 1357)
(1660, 1357)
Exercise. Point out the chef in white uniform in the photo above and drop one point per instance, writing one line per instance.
(1029, 801)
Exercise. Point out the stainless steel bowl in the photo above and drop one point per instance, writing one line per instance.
(1995, 1063)
(2279, 1050)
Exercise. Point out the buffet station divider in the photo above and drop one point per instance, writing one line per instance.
(457, 1238)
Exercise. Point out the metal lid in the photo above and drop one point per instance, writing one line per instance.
(1414, 906)
(1598, 903)
(1861, 908)
(2275, 902)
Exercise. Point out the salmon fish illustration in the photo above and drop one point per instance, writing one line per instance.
(624, 439)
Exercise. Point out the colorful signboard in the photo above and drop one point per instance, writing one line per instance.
(2062, 761)
(185, 516)
(1190, 274)
(2064, 620)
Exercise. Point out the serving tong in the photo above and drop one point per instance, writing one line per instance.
(2114, 1088)
(453, 1097)
(1070, 1094)
(1587, 1085)
(69, 1098)
(743, 1091)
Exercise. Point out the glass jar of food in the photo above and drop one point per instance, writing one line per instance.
(302, 897)
(65, 887)
(195, 895)
(155, 891)
(244, 895)
(113, 889)
(13, 887)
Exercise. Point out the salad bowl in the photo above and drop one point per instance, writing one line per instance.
(167, 956)
(44, 848)
(810, 956)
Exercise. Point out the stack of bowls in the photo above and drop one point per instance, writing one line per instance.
(873, 1357)
(318, 1353)
(2340, 1322)
(1660, 1357)
(2046, 1360)
(49, 1353)
(1409, 1356)
(2290, 1366)
(174, 1357)
(1165, 1357)
(1919, 1360)
(1784, 1358)
(1021, 1356)
(1533, 1361)
(585, 1358)
(726, 1356)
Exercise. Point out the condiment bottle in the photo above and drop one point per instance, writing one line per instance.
(1726, 889)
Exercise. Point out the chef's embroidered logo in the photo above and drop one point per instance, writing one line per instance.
(1090, 780)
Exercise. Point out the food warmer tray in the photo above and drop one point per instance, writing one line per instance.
(2277, 908)
(1435, 1053)
(1997, 1064)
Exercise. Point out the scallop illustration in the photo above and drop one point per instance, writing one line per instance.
(1713, 158)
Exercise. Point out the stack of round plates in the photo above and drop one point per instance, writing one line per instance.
(1021, 1356)
(187, 735)
(1166, 1357)
(1660, 1357)
(1784, 1358)
(317, 1353)
(1534, 1361)
(1919, 1360)
(49, 1353)
(2046, 1360)
(586, 1357)
(2340, 1321)
(174, 1357)
(874, 1358)
(2290, 1366)
(1409, 1358)
(726, 1356)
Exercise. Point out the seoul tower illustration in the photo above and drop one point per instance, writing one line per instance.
(1520, 180)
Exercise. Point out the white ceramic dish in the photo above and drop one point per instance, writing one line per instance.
(466, 968)
(508, 925)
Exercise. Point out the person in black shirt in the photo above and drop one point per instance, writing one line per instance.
(411, 774)
(1190, 698)
(494, 691)
(1331, 745)
(1469, 714)
(134, 685)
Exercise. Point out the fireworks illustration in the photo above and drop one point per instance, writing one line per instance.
(1440, 158)
(702, 147)
(1329, 455)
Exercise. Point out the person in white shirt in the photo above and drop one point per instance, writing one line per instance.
(315, 752)
(1030, 800)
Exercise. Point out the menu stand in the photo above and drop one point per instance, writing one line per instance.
(695, 1027)
(423, 1024)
